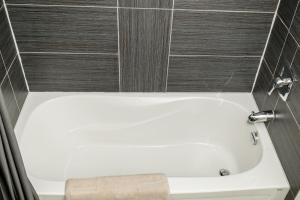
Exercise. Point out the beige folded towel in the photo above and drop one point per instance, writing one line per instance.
(136, 187)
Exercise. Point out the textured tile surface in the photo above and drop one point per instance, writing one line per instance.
(262, 85)
(287, 55)
(295, 28)
(146, 3)
(61, 29)
(208, 74)
(294, 98)
(285, 135)
(10, 101)
(276, 43)
(144, 47)
(7, 46)
(286, 10)
(249, 5)
(66, 2)
(18, 83)
(2, 70)
(71, 72)
(221, 33)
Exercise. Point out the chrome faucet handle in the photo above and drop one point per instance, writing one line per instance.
(279, 83)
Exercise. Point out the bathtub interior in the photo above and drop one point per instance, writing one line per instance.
(181, 137)
(187, 136)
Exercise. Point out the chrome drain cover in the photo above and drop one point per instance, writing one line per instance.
(224, 172)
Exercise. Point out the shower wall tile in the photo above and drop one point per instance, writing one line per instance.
(286, 10)
(66, 2)
(71, 72)
(249, 5)
(285, 135)
(144, 48)
(220, 33)
(146, 3)
(2, 69)
(9, 100)
(294, 98)
(295, 29)
(262, 86)
(7, 46)
(276, 43)
(18, 82)
(211, 74)
(65, 29)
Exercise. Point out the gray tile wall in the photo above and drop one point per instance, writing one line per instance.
(161, 45)
(12, 81)
(283, 50)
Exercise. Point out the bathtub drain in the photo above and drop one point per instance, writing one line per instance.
(224, 172)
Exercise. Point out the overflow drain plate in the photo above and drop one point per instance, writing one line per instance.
(224, 172)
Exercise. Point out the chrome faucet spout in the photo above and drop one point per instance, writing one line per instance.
(262, 116)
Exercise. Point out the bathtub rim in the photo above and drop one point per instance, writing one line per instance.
(262, 176)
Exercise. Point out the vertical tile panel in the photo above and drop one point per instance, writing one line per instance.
(146, 3)
(18, 82)
(295, 28)
(144, 47)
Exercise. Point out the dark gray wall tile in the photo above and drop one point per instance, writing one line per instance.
(144, 48)
(285, 135)
(2, 69)
(290, 196)
(295, 28)
(146, 3)
(201, 74)
(18, 82)
(65, 72)
(276, 43)
(66, 2)
(7, 45)
(10, 101)
(263, 82)
(294, 98)
(286, 10)
(287, 55)
(249, 5)
(61, 29)
(219, 33)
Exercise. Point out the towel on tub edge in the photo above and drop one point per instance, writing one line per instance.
(134, 187)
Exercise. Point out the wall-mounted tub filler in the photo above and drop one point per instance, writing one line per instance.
(283, 83)
(262, 116)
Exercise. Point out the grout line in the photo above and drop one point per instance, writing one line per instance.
(119, 54)
(297, 123)
(229, 56)
(170, 42)
(1, 7)
(16, 45)
(11, 64)
(266, 46)
(12, 88)
(268, 67)
(289, 28)
(125, 7)
(63, 53)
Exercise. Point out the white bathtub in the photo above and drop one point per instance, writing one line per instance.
(188, 137)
